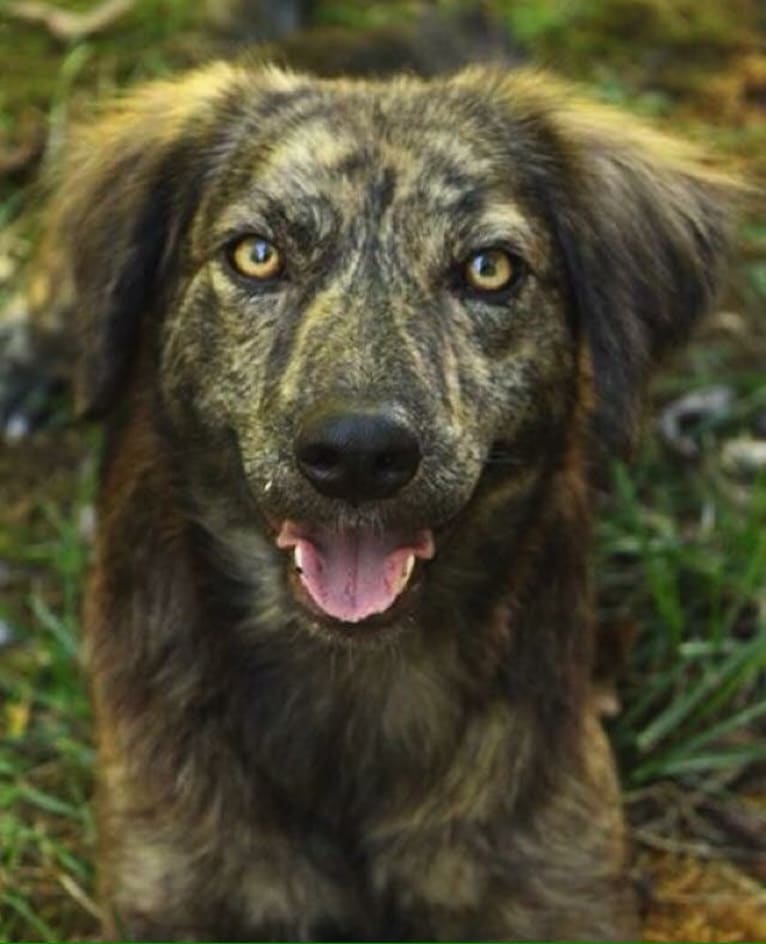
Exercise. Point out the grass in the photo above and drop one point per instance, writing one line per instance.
(681, 549)
(46, 758)
(694, 693)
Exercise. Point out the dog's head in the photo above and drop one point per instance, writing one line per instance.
(370, 310)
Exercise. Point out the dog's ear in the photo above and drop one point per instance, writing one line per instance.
(642, 223)
(123, 191)
(645, 231)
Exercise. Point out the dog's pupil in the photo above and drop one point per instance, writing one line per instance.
(486, 266)
(261, 252)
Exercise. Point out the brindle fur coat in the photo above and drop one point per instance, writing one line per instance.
(437, 772)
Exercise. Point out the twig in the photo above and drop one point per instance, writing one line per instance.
(65, 25)
(700, 850)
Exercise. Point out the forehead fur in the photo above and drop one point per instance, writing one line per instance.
(332, 121)
(438, 147)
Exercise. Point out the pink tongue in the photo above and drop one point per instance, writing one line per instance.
(351, 575)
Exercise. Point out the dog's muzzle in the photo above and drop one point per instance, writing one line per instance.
(355, 456)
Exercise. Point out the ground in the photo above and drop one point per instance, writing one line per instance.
(681, 555)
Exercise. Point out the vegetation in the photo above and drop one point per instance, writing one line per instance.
(681, 555)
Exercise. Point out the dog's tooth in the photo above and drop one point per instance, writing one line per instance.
(409, 566)
(298, 558)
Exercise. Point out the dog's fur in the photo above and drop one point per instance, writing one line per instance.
(264, 775)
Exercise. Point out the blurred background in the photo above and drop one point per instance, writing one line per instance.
(681, 551)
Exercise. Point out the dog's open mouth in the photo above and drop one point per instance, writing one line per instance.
(354, 574)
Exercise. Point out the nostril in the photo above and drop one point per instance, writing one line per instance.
(394, 462)
(320, 457)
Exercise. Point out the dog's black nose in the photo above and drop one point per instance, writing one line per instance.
(357, 456)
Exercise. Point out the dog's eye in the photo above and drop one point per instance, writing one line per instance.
(491, 270)
(255, 258)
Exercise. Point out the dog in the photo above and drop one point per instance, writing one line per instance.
(358, 345)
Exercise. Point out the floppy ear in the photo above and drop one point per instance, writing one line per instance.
(642, 224)
(125, 189)
(645, 236)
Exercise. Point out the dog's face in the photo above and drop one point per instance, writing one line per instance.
(372, 311)
(378, 312)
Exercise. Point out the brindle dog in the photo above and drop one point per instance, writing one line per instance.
(358, 343)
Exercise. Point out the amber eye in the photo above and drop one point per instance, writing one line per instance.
(490, 270)
(255, 258)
